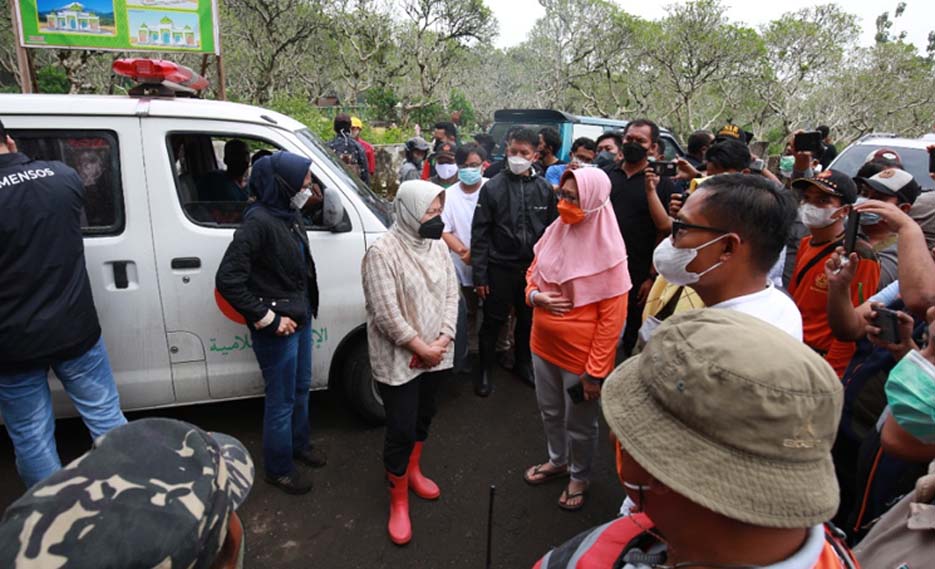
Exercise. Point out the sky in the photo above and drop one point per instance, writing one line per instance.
(516, 17)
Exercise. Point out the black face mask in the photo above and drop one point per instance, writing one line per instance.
(433, 228)
(633, 152)
(605, 158)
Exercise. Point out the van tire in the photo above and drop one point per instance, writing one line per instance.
(359, 387)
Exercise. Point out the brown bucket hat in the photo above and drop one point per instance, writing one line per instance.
(733, 414)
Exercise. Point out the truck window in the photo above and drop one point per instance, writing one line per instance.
(94, 154)
(591, 131)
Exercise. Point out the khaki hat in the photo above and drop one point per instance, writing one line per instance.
(733, 414)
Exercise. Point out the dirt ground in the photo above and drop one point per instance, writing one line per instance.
(341, 524)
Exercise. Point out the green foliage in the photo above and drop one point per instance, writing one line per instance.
(428, 115)
(52, 79)
(458, 102)
(304, 112)
(382, 102)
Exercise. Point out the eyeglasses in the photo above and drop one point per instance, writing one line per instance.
(679, 226)
(568, 197)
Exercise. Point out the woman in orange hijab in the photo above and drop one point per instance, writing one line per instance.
(577, 285)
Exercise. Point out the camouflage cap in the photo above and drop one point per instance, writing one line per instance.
(153, 493)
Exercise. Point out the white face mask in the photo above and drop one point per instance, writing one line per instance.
(446, 171)
(671, 262)
(815, 217)
(519, 165)
(298, 200)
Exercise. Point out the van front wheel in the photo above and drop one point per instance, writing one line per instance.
(359, 386)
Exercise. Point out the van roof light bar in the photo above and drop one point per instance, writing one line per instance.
(160, 78)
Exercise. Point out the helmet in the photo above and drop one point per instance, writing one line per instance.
(356, 123)
(417, 143)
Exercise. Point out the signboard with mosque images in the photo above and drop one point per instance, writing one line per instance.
(120, 25)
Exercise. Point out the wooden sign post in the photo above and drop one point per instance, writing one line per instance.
(23, 61)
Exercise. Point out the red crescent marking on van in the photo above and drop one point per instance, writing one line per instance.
(227, 309)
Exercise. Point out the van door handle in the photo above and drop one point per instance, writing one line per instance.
(121, 280)
(186, 263)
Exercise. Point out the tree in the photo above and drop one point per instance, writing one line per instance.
(884, 24)
(697, 55)
(576, 43)
(803, 48)
(367, 45)
(436, 38)
(888, 87)
(265, 40)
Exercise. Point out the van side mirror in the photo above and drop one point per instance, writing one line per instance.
(333, 215)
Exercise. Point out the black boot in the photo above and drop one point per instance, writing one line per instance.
(295, 483)
(483, 384)
(314, 457)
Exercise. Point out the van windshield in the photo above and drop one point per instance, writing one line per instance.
(379, 206)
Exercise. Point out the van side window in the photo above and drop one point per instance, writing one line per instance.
(212, 173)
(95, 156)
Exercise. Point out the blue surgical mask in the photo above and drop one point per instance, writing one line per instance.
(867, 218)
(910, 392)
(469, 176)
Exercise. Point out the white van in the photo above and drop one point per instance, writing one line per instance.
(153, 247)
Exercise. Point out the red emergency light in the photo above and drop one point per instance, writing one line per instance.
(160, 73)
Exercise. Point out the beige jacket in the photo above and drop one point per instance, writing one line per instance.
(411, 290)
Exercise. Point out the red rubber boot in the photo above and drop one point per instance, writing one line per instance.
(399, 527)
(420, 484)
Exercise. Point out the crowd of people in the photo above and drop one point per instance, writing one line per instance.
(757, 342)
(742, 433)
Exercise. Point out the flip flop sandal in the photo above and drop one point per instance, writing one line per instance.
(563, 504)
(539, 470)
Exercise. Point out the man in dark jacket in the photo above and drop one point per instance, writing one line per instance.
(513, 210)
(347, 149)
(47, 314)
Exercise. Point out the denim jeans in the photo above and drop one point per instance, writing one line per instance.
(286, 363)
(26, 406)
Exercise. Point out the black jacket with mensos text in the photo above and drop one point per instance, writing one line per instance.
(47, 313)
(512, 214)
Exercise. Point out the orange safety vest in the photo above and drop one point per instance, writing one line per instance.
(603, 546)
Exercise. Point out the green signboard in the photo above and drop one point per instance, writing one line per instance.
(121, 25)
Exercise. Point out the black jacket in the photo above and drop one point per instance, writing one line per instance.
(268, 266)
(512, 213)
(47, 312)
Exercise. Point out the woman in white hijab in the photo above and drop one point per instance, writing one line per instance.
(411, 291)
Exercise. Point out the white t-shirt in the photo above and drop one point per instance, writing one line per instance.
(458, 216)
(770, 305)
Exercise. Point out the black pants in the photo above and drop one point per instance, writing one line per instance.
(634, 321)
(507, 290)
(409, 411)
